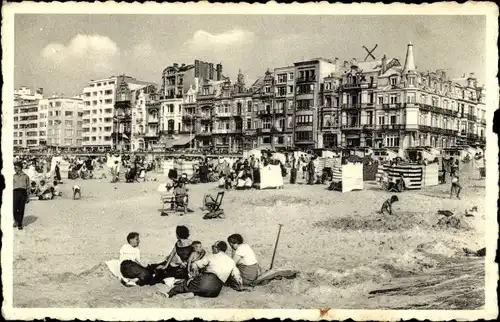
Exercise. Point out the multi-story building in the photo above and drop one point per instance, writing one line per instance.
(27, 133)
(99, 101)
(309, 75)
(62, 119)
(107, 118)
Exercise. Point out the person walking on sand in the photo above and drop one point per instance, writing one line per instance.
(455, 186)
(21, 186)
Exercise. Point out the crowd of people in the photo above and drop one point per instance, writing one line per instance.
(191, 266)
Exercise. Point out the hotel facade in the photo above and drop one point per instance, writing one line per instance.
(314, 104)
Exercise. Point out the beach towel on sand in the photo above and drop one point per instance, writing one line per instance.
(114, 268)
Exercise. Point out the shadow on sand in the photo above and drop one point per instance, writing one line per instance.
(28, 220)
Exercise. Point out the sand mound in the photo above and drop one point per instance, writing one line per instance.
(98, 272)
(272, 201)
(401, 221)
(452, 222)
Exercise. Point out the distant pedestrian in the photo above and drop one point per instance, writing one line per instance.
(21, 186)
(456, 187)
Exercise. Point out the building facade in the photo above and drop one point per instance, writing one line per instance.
(63, 121)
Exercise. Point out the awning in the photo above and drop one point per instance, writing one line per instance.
(183, 140)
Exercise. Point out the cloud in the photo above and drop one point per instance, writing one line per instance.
(203, 40)
(94, 52)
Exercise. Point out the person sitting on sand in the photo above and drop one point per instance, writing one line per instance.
(181, 194)
(218, 269)
(456, 187)
(387, 205)
(197, 254)
(175, 264)
(34, 191)
(244, 258)
(130, 263)
(57, 192)
(46, 192)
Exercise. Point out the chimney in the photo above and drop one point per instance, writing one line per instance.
(443, 75)
(211, 71)
(176, 65)
(183, 65)
(354, 62)
(384, 64)
(409, 61)
(219, 71)
(346, 64)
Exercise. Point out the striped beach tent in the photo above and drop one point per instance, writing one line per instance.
(412, 173)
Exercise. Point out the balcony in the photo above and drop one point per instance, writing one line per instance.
(224, 115)
(483, 121)
(368, 127)
(308, 79)
(393, 126)
(204, 133)
(264, 112)
(351, 106)
(424, 128)
(153, 119)
(351, 86)
(187, 116)
(262, 130)
(206, 117)
(351, 126)
(394, 106)
(221, 131)
(472, 118)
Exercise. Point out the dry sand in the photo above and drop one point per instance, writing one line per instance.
(342, 247)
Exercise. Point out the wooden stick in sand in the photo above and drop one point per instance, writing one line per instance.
(275, 246)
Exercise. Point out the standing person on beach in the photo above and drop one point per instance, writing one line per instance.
(21, 186)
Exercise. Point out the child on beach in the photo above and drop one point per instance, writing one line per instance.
(132, 270)
(387, 205)
(56, 189)
(455, 186)
(197, 254)
(77, 191)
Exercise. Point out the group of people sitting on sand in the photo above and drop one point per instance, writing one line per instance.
(193, 268)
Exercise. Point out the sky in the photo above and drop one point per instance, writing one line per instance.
(61, 53)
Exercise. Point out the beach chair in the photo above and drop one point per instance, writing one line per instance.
(173, 204)
(213, 206)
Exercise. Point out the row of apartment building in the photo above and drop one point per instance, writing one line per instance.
(319, 103)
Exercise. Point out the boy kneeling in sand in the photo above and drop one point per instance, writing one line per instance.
(77, 191)
(387, 205)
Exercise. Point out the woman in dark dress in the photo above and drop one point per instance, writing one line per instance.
(175, 264)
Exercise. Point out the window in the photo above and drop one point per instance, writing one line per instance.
(58, 104)
(290, 89)
(268, 89)
(68, 113)
(393, 119)
(68, 123)
(290, 76)
(393, 80)
(58, 113)
(249, 124)
(68, 132)
(249, 106)
(282, 91)
(87, 94)
(282, 78)
(108, 92)
(411, 81)
(304, 120)
(381, 100)
(381, 120)
(266, 139)
(393, 99)
(303, 136)
(108, 101)
(304, 104)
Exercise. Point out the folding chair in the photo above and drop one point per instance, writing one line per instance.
(173, 204)
(213, 206)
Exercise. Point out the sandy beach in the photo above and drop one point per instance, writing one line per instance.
(348, 255)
